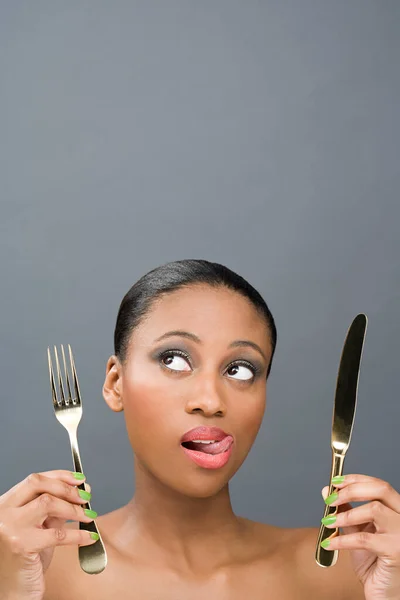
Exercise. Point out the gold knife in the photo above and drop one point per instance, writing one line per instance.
(342, 423)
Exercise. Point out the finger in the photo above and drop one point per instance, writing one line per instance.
(36, 540)
(339, 510)
(341, 507)
(88, 488)
(55, 522)
(34, 484)
(381, 545)
(325, 491)
(383, 518)
(359, 478)
(46, 505)
(367, 491)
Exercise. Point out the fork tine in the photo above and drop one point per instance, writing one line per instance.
(52, 382)
(66, 375)
(60, 381)
(74, 377)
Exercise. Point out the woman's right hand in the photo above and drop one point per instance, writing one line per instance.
(32, 518)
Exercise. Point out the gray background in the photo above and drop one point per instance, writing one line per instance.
(262, 135)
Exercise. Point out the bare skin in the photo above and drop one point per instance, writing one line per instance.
(274, 563)
(178, 537)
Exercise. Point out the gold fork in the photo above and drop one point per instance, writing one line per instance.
(68, 410)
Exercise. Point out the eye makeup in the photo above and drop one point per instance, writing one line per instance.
(254, 366)
(160, 353)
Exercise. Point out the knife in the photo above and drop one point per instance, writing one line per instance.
(342, 423)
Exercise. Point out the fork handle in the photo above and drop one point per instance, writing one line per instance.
(92, 558)
(323, 557)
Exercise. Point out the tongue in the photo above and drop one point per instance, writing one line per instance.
(215, 448)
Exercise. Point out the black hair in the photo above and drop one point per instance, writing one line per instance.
(172, 276)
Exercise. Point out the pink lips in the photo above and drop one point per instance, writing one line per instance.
(212, 455)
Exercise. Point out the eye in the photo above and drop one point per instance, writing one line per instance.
(245, 370)
(181, 360)
(178, 361)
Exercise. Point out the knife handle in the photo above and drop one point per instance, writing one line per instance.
(323, 557)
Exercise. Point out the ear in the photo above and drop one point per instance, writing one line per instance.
(112, 387)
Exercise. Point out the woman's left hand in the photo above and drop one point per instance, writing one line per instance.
(371, 533)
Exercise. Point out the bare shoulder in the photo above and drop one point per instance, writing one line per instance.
(270, 560)
(339, 582)
(291, 552)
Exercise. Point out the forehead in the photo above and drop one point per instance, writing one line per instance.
(211, 313)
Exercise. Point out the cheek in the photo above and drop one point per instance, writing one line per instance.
(141, 403)
(248, 418)
(150, 409)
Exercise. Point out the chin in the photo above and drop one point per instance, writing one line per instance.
(201, 490)
(203, 483)
(190, 480)
(200, 483)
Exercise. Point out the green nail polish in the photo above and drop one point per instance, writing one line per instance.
(338, 479)
(94, 535)
(325, 543)
(331, 498)
(92, 514)
(78, 475)
(328, 520)
(85, 495)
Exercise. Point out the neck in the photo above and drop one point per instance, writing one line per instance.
(189, 533)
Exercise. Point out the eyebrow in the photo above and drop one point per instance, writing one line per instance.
(195, 338)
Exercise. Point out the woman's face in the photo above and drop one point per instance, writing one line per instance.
(169, 386)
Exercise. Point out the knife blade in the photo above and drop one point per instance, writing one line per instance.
(342, 422)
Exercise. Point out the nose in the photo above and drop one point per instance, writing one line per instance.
(206, 399)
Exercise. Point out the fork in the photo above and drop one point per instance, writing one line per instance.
(68, 411)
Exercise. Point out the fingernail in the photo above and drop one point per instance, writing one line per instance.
(94, 535)
(325, 543)
(338, 479)
(331, 498)
(85, 495)
(92, 514)
(328, 520)
(78, 475)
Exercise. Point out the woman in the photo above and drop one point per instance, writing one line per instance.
(194, 344)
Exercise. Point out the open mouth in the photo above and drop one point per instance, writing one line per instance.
(209, 446)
